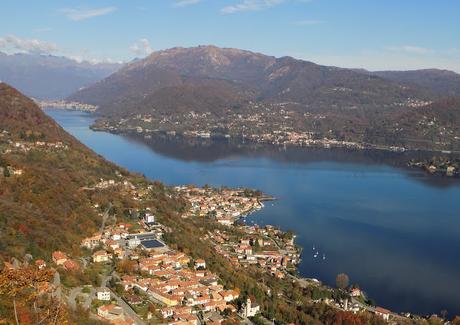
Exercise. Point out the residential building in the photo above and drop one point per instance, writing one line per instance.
(59, 258)
(101, 256)
(249, 309)
(200, 264)
(103, 294)
(382, 312)
(70, 265)
(41, 264)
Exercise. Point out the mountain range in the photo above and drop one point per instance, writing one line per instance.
(208, 78)
(50, 77)
(236, 92)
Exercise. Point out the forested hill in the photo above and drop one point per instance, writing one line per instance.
(43, 175)
(19, 114)
(213, 79)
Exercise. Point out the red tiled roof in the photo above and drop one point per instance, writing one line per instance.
(382, 310)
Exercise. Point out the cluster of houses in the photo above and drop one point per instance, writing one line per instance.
(118, 242)
(7, 171)
(114, 315)
(415, 103)
(265, 247)
(136, 193)
(184, 287)
(62, 104)
(103, 184)
(61, 259)
(224, 205)
(302, 139)
(16, 146)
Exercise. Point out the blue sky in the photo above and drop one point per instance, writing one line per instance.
(373, 34)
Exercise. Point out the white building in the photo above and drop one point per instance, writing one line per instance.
(134, 242)
(382, 312)
(149, 218)
(249, 309)
(101, 256)
(200, 264)
(103, 294)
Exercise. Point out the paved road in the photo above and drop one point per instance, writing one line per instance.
(104, 217)
(127, 309)
(73, 294)
(71, 299)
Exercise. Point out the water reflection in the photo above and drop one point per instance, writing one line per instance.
(212, 150)
(394, 230)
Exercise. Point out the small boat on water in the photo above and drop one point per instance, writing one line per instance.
(324, 256)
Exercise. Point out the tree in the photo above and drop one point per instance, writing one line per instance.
(29, 286)
(342, 281)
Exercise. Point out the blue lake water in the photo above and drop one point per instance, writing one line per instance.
(394, 231)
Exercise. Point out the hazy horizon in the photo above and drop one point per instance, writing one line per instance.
(356, 34)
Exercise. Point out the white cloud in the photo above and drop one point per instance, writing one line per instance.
(82, 14)
(250, 5)
(141, 47)
(85, 58)
(184, 3)
(308, 22)
(13, 43)
(411, 49)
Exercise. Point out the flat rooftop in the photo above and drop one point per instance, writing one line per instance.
(143, 236)
(152, 243)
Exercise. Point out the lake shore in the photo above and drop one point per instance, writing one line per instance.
(396, 213)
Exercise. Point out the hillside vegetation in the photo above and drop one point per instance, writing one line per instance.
(45, 208)
(230, 92)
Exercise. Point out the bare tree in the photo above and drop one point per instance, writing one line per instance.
(342, 281)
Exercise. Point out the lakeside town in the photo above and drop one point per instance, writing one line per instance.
(66, 105)
(8, 146)
(286, 124)
(244, 129)
(140, 279)
(444, 166)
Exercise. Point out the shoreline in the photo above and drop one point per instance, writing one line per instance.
(413, 154)
(305, 281)
(316, 144)
(256, 211)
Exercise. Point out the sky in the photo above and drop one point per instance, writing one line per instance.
(371, 34)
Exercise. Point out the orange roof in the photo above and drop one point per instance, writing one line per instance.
(100, 253)
(70, 265)
(58, 255)
(382, 310)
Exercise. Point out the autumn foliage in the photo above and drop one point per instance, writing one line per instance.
(26, 295)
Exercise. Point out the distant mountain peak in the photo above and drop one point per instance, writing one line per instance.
(63, 75)
(196, 76)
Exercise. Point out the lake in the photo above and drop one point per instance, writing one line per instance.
(393, 230)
